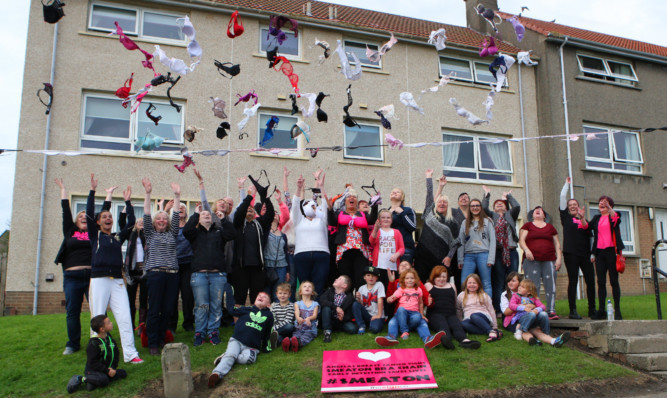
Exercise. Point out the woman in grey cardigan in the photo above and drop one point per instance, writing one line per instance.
(504, 214)
(477, 253)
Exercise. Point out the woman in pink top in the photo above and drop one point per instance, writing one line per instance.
(606, 230)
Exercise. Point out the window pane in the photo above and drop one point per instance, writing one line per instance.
(495, 156)
(115, 146)
(366, 135)
(360, 49)
(169, 127)
(592, 64)
(602, 165)
(107, 118)
(495, 177)
(103, 17)
(461, 174)
(458, 155)
(289, 47)
(160, 25)
(621, 69)
(461, 68)
(627, 146)
(483, 74)
(597, 145)
(282, 137)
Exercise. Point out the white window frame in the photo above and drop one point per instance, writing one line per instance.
(263, 30)
(134, 120)
(380, 142)
(138, 24)
(630, 219)
(472, 67)
(607, 74)
(364, 43)
(298, 151)
(614, 160)
(478, 169)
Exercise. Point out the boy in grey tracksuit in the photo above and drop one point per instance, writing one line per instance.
(477, 252)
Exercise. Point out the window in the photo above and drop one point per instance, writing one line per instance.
(627, 225)
(107, 125)
(462, 69)
(135, 21)
(282, 136)
(356, 139)
(613, 150)
(604, 69)
(477, 158)
(359, 48)
(289, 48)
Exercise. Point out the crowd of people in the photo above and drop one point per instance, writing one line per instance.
(311, 262)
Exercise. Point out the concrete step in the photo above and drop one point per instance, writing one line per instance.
(625, 328)
(651, 362)
(638, 344)
(660, 373)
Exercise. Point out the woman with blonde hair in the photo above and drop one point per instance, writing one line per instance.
(404, 220)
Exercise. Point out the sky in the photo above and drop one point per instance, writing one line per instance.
(637, 19)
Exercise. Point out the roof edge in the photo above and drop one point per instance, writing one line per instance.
(555, 37)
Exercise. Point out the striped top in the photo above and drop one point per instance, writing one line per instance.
(161, 245)
(282, 315)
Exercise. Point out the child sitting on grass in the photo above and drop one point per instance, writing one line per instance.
(336, 305)
(102, 358)
(283, 315)
(305, 312)
(251, 334)
(368, 309)
(474, 306)
(394, 283)
(410, 313)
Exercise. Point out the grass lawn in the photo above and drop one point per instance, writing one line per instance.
(632, 307)
(32, 364)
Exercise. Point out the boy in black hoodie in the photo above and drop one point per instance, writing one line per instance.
(251, 334)
(336, 303)
(102, 358)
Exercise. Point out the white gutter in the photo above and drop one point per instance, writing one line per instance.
(567, 124)
(523, 141)
(40, 230)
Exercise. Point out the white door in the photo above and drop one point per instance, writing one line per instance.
(660, 217)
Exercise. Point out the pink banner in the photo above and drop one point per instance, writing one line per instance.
(376, 370)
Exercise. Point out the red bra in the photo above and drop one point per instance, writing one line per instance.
(237, 29)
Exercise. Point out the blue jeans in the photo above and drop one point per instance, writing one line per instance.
(499, 275)
(331, 322)
(363, 318)
(75, 286)
(477, 263)
(532, 320)
(207, 288)
(162, 294)
(285, 331)
(406, 321)
(314, 267)
(409, 254)
(478, 323)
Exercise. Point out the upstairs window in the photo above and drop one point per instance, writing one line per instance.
(282, 135)
(135, 21)
(476, 158)
(613, 150)
(608, 70)
(359, 48)
(363, 142)
(465, 70)
(289, 49)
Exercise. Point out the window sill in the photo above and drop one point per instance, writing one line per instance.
(601, 81)
(616, 173)
(360, 162)
(165, 42)
(134, 155)
(481, 86)
(281, 157)
(484, 182)
(370, 70)
(290, 58)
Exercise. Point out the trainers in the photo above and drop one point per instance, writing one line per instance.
(74, 384)
(295, 344)
(532, 341)
(199, 339)
(69, 351)
(434, 340)
(405, 336)
(215, 338)
(217, 360)
(562, 339)
(286, 344)
(273, 339)
(136, 361)
(361, 331)
(553, 316)
(447, 342)
(327, 336)
(386, 341)
(518, 334)
(213, 380)
(470, 344)
(574, 315)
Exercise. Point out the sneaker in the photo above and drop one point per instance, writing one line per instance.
(295, 344)
(518, 334)
(386, 341)
(470, 344)
(539, 343)
(434, 340)
(136, 361)
(273, 339)
(574, 315)
(361, 331)
(199, 339)
(532, 341)
(217, 360)
(553, 316)
(69, 351)
(562, 339)
(405, 336)
(286, 344)
(213, 380)
(215, 338)
(327, 336)
(447, 342)
(74, 384)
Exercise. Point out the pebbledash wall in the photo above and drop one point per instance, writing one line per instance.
(92, 64)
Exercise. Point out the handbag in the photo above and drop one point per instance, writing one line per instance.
(271, 275)
(620, 259)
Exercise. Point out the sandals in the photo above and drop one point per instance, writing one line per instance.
(493, 336)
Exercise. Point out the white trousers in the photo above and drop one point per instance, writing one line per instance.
(111, 292)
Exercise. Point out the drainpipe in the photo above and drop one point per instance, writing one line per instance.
(567, 125)
(523, 141)
(44, 165)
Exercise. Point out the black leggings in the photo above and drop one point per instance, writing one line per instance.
(450, 324)
(605, 261)
(247, 278)
(573, 263)
(353, 264)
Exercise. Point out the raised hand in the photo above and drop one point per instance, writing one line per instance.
(278, 196)
(429, 173)
(442, 181)
(198, 208)
(486, 190)
(581, 213)
(147, 184)
(176, 189)
(199, 177)
(59, 182)
(93, 182)
(169, 206)
(300, 181)
(127, 194)
(111, 189)
(241, 181)
(286, 172)
(317, 173)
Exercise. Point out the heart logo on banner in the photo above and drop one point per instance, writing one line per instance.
(377, 356)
